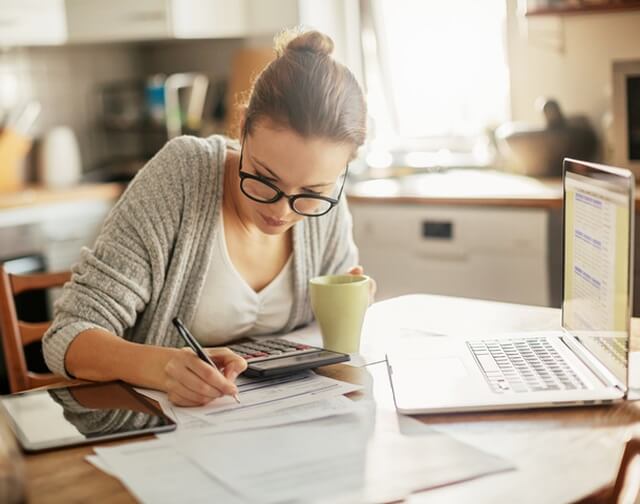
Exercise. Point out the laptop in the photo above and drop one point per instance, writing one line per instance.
(585, 363)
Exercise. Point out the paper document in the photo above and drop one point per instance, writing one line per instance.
(264, 403)
(281, 413)
(154, 472)
(342, 459)
(259, 393)
(338, 459)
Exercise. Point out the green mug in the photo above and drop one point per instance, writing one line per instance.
(339, 303)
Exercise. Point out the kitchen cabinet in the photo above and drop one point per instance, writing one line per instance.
(481, 252)
(68, 229)
(55, 231)
(123, 20)
(266, 18)
(116, 20)
(32, 22)
(208, 18)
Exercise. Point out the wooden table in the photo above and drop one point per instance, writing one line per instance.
(553, 449)
(37, 195)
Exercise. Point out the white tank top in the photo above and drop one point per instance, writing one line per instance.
(229, 308)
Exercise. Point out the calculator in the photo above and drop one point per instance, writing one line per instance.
(272, 357)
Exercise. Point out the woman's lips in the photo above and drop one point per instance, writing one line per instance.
(271, 221)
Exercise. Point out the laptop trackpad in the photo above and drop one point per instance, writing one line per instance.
(423, 383)
(433, 370)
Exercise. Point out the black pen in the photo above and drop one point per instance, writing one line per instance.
(195, 346)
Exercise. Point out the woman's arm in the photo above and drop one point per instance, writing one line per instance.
(113, 282)
(98, 355)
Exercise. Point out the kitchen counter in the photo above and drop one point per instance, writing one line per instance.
(461, 188)
(36, 195)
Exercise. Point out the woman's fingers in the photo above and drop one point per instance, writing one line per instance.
(209, 376)
(359, 270)
(231, 363)
(191, 380)
(356, 270)
(180, 393)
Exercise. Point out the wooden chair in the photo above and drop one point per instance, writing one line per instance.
(16, 334)
(626, 487)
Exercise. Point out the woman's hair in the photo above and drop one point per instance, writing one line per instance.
(306, 90)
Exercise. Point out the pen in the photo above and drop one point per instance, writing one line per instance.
(195, 346)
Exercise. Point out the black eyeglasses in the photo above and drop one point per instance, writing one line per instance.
(262, 190)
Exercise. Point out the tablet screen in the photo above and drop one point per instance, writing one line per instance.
(44, 419)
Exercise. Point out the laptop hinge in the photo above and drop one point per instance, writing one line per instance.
(593, 363)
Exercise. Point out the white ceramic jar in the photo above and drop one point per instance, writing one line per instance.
(59, 161)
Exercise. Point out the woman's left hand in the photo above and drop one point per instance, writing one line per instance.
(359, 270)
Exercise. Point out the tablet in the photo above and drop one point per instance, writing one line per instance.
(83, 414)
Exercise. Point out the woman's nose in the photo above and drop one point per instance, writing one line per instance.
(282, 208)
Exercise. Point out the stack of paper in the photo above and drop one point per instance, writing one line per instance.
(328, 460)
(331, 450)
(263, 403)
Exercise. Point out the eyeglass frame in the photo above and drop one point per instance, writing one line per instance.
(291, 198)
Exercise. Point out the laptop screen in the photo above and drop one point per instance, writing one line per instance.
(598, 245)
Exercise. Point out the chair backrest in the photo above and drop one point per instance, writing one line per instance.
(16, 334)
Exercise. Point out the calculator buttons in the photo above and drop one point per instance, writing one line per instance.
(264, 349)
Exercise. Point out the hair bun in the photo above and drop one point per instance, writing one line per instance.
(310, 41)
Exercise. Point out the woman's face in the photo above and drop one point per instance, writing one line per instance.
(296, 165)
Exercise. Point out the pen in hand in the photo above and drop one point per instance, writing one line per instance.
(195, 346)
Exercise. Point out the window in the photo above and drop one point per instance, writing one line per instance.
(436, 72)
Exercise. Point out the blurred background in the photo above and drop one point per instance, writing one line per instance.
(473, 104)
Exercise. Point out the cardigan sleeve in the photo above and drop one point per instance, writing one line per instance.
(113, 282)
(340, 252)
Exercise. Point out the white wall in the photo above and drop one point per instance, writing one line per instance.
(568, 58)
(340, 19)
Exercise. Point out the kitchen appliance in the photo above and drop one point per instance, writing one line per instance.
(59, 160)
(626, 114)
(177, 115)
(539, 151)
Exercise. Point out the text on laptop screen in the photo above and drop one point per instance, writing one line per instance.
(597, 235)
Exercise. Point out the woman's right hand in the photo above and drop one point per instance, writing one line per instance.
(190, 381)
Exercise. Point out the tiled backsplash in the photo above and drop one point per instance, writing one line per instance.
(65, 79)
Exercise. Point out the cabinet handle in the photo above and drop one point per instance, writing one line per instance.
(437, 230)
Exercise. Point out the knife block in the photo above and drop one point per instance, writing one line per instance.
(13, 151)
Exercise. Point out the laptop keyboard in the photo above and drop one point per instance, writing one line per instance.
(524, 365)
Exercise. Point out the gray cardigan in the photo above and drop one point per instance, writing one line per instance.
(150, 260)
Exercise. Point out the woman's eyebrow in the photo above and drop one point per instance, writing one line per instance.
(275, 176)
(264, 167)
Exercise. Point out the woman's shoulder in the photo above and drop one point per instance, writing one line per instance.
(186, 160)
(195, 152)
(183, 168)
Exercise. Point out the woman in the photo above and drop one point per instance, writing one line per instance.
(225, 240)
